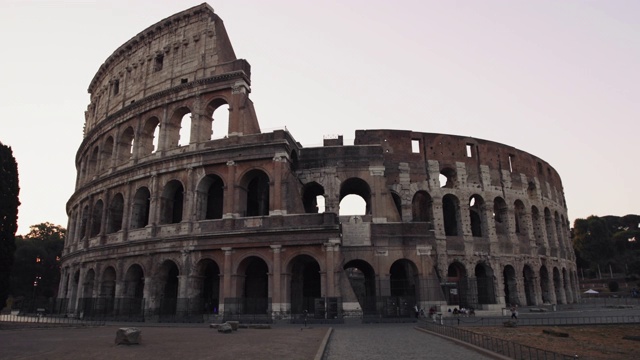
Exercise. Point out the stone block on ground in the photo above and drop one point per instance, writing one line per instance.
(214, 326)
(234, 325)
(128, 336)
(225, 328)
(510, 323)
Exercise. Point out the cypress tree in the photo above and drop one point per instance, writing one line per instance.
(9, 203)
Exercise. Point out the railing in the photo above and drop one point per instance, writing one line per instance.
(41, 319)
(542, 321)
(499, 346)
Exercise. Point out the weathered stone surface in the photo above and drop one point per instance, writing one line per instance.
(259, 326)
(234, 325)
(510, 323)
(225, 328)
(128, 336)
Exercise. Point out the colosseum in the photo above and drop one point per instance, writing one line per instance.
(181, 213)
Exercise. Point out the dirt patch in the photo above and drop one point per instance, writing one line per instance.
(162, 343)
(601, 342)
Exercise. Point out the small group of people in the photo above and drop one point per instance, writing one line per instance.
(464, 311)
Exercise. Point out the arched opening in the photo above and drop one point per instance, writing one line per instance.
(510, 286)
(557, 286)
(455, 288)
(108, 290)
(220, 122)
(447, 178)
(149, 137)
(529, 285)
(559, 234)
(422, 207)
(185, 130)
(355, 196)
(125, 145)
(74, 290)
(133, 294)
(107, 153)
(87, 305)
(545, 285)
(93, 161)
(168, 281)
(177, 131)
(140, 208)
(451, 215)
(311, 195)
(209, 296)
(257, 193)
(500, 215)
(306, 286)
(484, 284)
(210, 198)
(362, 279)
(403, 284)
(96, 218)
(255, 290)
(477, 216)
(172, 203)
(114, 222)
(84, 222)
(566, 282)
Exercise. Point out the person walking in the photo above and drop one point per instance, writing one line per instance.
(514, 312)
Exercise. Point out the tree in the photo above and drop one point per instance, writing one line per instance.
(37, 258)
(608, 241)
(9, 203)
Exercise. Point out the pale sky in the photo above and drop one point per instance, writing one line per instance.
(557, 79)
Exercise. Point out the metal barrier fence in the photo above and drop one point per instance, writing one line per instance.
(503, 347)
(542, 321)
(43, 320)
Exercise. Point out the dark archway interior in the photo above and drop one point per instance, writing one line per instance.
(169, 300)
(529, 289)
(510, 289)
(363, 282)
(305, 284)
(485, 286)
(258, 195)
(309, 197)
(211, 288)
(449, 209)
(256, 287)
(215, 198)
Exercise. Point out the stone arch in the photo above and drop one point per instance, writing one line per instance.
(172, 203)
(451, 215)
(168, 282)
(140, 208)
(218, 121)
(84, 222)
(362, 279)
(545, 285)
(107, 154)
(174, 129)
(559, 234)
(529, 285)
(422, 207)
(134, 282)
(500, 216)
(551, 239)
(89, 283)
(450, 176)
(485, 288)
(510, 285)
(477, 216)
(557, 286)
(210, 198)
(149, 137)
(96, 218)
(254, 193)
(305, 284)
(566, 283)
(456, 286)
(521, 223)
(356, 186)
(126, 145)
(207, 286)
(253, 286)
(114, 218)
(403, 279)
(108, 289)
(94, 160)
(397, 201)
(311, 193)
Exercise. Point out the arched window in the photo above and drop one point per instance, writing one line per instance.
(355, 197)
(177, 132)
(172, 203)
(312, 198)
(477, 215)
(422, 207)
(114, 219)
(451, 215)
(448, 178)
(125, 145)
(96, 218)
(500, 216)
(149, 137)
(210, 195)
(107, 153)
(256, 197)
(140, 208)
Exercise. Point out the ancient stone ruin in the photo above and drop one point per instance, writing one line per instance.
(174, 217)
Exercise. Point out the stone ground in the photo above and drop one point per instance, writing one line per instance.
(179, 342)
(598, 342)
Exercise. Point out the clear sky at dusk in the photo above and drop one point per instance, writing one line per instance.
(557, 79)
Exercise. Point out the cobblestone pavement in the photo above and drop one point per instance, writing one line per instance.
(392, 341)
